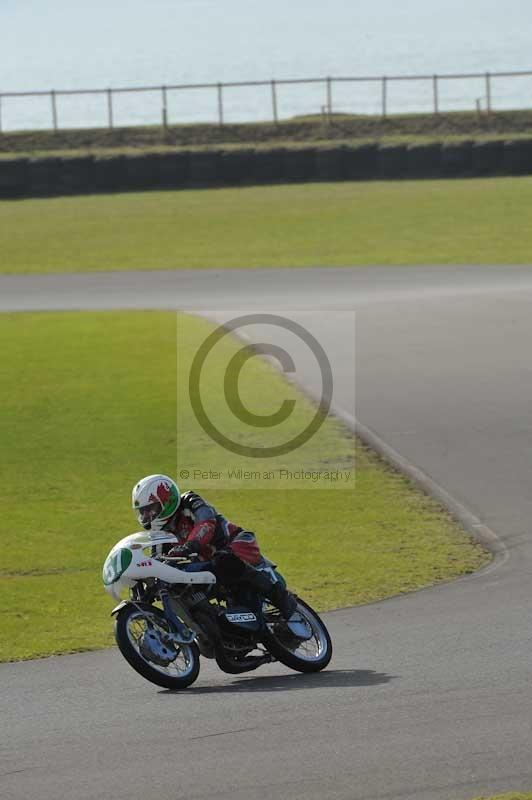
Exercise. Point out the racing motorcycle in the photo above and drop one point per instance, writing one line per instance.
(177, 611)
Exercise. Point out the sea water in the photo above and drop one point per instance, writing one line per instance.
(55, 44)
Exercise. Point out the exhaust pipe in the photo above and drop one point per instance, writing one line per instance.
(246, 664)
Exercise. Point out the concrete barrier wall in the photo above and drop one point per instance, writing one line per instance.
(23, 177)
(486, 158)
(424, 160)
(361, 162)
(299, 165)
(203, 169)
(268, 166)
(517, 157)
(330, 164)
(14, 180)
(392, 161)
(457, 159)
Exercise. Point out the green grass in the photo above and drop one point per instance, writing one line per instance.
(404, 222)
(89, 405)
(319, 142)
(310, 128)
(509, 796)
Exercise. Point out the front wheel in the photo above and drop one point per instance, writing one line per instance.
(144, 638)
(310, 652)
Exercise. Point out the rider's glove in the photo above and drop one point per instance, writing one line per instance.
(184, 550)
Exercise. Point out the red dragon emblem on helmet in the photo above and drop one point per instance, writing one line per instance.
(163, 494)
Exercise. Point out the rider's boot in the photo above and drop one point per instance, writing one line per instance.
(274, 591)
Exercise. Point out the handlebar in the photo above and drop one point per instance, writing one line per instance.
(179, 559)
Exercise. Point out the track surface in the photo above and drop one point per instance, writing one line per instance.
(428, 695)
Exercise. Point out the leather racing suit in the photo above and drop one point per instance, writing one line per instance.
(233, 551)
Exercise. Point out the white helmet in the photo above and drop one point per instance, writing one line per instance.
(156, 498)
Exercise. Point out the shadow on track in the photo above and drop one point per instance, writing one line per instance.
(334, 678)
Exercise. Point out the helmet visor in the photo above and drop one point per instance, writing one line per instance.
(147, 514)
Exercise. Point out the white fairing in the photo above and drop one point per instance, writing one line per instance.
(135, 551)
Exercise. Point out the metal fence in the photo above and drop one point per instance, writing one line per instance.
(219, 91)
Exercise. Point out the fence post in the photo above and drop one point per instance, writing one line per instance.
(384, 95)
(274, 103)
(54, 109)
(220, 105)
(488, 92)
(164, 108)
(435, 93)
(329, 98)
(110, 108)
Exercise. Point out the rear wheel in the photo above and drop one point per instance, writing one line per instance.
(145, 639)
(308, 649)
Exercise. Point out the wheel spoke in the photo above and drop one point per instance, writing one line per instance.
(308, 649)
(138, 626)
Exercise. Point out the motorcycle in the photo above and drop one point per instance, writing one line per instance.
(177, 611)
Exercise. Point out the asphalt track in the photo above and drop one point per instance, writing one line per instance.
(428, 695)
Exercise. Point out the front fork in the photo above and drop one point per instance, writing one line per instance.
(181, 634)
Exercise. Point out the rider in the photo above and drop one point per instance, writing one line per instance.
(202, 531)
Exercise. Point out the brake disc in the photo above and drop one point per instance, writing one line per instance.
(152, 649)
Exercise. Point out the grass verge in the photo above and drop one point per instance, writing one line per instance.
(509, 796)
(313, 128)
(338, 224)
(89, 405)
(61, 150)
